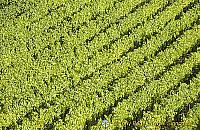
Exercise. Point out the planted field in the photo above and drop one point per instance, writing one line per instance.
(99, 64)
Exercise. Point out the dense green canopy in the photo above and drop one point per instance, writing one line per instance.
(99, 64)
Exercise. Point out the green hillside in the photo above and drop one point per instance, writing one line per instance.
(99, 64)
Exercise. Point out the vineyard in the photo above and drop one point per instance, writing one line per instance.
(99, 64)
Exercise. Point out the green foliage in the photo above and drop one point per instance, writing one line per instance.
(77, 64)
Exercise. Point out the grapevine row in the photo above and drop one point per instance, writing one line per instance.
(103, 94)
(95, 86)
(191, 120)
(168, 107)
(158, 63)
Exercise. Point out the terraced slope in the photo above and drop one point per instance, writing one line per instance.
(70, 65)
